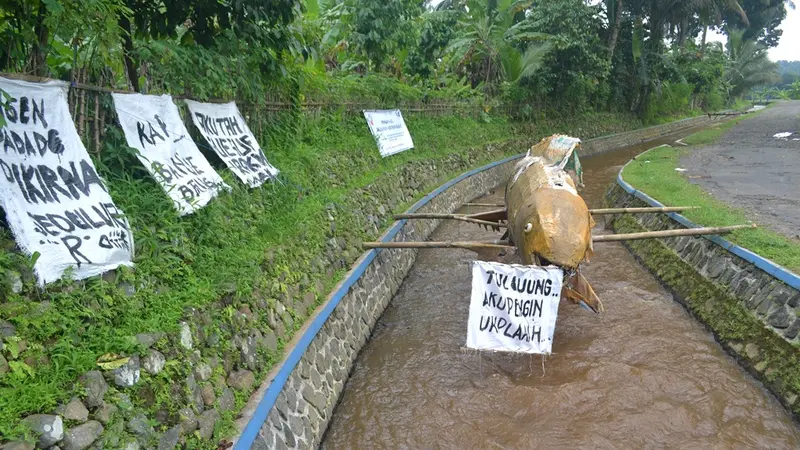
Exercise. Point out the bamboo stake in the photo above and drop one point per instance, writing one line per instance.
(450, 216)
(465, 245)
(607, 210)
(489, 205)
(641, 210)
(668, 233)
(96, 122)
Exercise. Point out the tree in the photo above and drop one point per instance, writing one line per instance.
(31, 28)
(260, 23)
(765, 16)
(438, 29)
(749, 64)
(485, 33)
(379, 27)
(576, 67)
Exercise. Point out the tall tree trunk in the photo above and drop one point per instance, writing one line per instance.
(615, 27)
(39, 55)
(684, 26)
(703, 45)
(131, 67)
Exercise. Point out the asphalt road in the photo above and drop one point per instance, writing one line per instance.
(750, 169)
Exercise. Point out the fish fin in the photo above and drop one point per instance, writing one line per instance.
(579, 291)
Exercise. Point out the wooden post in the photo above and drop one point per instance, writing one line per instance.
(465, 245)
(641, 210)
(489, 205)
(668, 233)
(450, 216)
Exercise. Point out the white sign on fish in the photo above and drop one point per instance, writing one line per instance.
(389, 130)
(55, 202)
(513, 307)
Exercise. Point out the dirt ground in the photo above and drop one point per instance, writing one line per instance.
(750, 169)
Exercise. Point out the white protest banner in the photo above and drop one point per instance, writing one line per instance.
(153, 125)
(389, 130)
(55, 202)
(513, 307)
(224, 128)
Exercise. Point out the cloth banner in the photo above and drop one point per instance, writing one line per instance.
(513, 307)
(153, 125)
(224, 128)
(55, 203)
(389, 130)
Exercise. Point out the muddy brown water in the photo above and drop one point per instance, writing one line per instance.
(644, 375)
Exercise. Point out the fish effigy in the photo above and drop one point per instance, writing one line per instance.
(547, 221)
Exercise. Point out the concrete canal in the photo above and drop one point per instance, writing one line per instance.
(643, 375)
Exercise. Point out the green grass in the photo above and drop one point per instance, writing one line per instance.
(249, 247)
(654, 173)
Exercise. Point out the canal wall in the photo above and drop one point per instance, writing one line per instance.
(614, 141)
(750, 304)
(293, 407)
(303, 407)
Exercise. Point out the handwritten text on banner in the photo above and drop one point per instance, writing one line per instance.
(153, 125)
(54, 200)
(513, 307)
(224, 128)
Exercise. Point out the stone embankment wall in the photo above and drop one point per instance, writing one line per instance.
(293, 408)
(611, 142)
(306, 402)
(750, 304)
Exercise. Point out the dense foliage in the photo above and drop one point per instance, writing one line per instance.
(569, 55)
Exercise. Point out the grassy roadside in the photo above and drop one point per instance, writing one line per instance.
(655, 174)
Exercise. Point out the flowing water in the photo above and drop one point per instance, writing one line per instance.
(644, 375)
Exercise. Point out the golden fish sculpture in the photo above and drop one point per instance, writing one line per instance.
(547, 221)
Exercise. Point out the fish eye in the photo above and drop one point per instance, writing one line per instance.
(528, 227)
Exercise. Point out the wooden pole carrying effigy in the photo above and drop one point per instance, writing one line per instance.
(460, 217)
(600, 211)
(663, 209)
(602, 238)
(668, 233)
(465, 245)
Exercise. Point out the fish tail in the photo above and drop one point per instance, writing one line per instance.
(579, 291)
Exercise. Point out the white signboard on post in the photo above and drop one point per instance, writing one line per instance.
(389, 130)
(224, 128)
(513, 307)
(153, 125)
(54, 201)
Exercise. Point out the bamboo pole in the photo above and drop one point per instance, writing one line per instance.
(450, 216)
(464, 245)
(490, 205)
(641, 210)
(668, 233)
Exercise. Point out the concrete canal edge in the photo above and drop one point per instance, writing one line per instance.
(294, 405)
(614, 141)
(749, 303)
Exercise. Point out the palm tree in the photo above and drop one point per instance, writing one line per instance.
(660, 14)
(749, 64)
(484, 51)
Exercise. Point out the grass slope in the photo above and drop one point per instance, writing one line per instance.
(655, 174)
